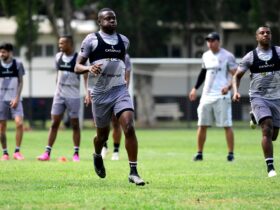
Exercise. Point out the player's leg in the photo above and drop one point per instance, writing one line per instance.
(266, 113)
(126, 119)
(223, 117)
(58, 108)
(230, 143)
(99, 140)
(3, 139)
(76, 138)
(116, 134)
(267, 146)
(201, 138)
(19, 135)
(73, 110)
(205, 119)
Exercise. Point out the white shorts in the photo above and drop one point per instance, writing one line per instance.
(218, 110)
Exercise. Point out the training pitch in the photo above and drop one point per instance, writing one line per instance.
(165, 162)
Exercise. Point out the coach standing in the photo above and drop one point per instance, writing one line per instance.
(215, 104)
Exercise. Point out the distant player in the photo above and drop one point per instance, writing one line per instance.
(264, 65)
(117, 130)
(11, 83)
(67, 96)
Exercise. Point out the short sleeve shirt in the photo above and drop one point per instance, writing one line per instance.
(100, 84)
(218, 66)
(265, 85)
(9, 85)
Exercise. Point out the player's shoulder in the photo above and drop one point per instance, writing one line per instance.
(18, 61)
(90, 37)
(226, 52)
(124, 38)
(277, 48)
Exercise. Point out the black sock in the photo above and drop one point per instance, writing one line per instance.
(76, 150)
(5, 152)
(133, 168)
(116, 147)
(269, 163)
(48, 149)
(199, 154)
(17, 149)
(230, 154)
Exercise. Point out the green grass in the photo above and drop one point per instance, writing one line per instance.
(165, 162)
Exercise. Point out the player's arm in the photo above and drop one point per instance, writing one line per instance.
(81, 68)
(87, 100)
(236, 83)
(16, 100)
(199, 81)
(229, 85)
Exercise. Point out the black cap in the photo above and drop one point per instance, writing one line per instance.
(213, 36)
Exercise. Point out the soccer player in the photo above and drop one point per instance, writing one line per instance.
(264, 65)
(215, 104)
(11, 82)
(106, 51)
(117, 131)
(67, 96)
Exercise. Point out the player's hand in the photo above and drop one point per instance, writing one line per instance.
(14, 103)
(87, 100)
(225, 90)
(236, 97)
(95, 68)
(192, 95)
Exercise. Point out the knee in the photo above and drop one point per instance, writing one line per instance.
(267, 131)
(75, 126)
(19, 124)
(54, 125)
(129, 129)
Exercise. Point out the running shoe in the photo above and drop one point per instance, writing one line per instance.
(18, 156)
(5, 157)
(44, 157)
(76, 158)
(272, 173)
(115, 156)
(135, 178)
(99, 166)
(198, 157)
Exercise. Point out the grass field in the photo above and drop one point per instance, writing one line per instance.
(165, 162)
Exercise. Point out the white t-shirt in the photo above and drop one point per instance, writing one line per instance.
(218, 66)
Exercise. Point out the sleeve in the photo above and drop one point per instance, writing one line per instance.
(86, 46)
(246, 62)
(232, 62)
(57, 56)
(127, 63)
(20, 68)
(201, 78)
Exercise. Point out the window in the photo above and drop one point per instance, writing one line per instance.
(41, 50)
(49, 50)
(240, 50)
(38, 51)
